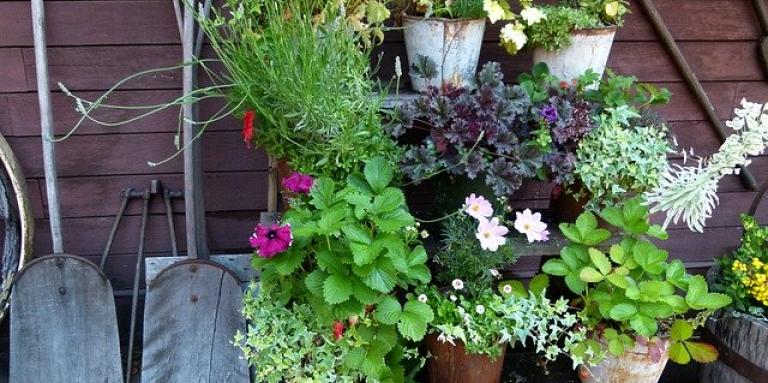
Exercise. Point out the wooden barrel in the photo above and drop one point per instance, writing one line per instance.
(741, 341)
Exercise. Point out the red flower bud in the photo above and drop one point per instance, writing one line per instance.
(338, 330)
(248, 118)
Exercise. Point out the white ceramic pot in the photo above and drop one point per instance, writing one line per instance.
(589, 49)
(452, 45)
(633, 366)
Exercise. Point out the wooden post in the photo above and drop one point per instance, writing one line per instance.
(690, 78)
(197, 243)
(46, 123)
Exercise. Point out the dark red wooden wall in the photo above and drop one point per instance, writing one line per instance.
(95, 43)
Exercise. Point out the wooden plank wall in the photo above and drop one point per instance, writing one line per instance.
(94, 43)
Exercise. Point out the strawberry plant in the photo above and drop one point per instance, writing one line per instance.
(628, 287)
(353, 260)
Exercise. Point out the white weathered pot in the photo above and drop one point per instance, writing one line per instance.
(589, 49)
(453, 46)
(633, 366)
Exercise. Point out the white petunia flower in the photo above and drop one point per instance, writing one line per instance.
(532, 15)
(494, 10)
(458, 284)
(514, 35)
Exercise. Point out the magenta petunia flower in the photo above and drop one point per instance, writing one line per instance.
(271, 240)
(298, 183)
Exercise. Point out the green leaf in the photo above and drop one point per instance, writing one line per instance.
(702, 352)
(590, 275)
(644, 325)
(414, 320)
(586, 222)
(575, 256)
(389, 199)
(675, 273)
(337, 289)
(618, 280)
(330, 262)
(600, 260)
(698, 297)
(555, 267)
(357, 182)
(678, 353)
(571, 232)
(650, 291)
(613, 215)
(381, 276)
(596, 237)
(417, 256)
(658, 310)
(656, 231)
(681, 330)
(635, 210)
(354, 358)
(631, 291)
(364, 254)
(331, 220)
(575, 283)
(517, 287)
(617, 254)
(677, 303)
(615, 347)
(288, 262)
(388, 311)
(649, 257)
(314, 282)
(358, 199)
(420, 273)
(322, 193)
(363, 293)
(538, 283)
(378, 172)
(622, 312)
(355, 232)
(393, 221)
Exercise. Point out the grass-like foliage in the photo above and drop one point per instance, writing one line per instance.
(305, 71)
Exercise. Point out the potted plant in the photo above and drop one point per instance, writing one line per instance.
(571, 37)
(640, 308)
(600, 144)
(443, 38)
(345, 249)
(481, 133)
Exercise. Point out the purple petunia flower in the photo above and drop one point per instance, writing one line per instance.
(550, 114)
(271, 240)
(298, 183)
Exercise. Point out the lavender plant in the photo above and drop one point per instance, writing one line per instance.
(484, 132)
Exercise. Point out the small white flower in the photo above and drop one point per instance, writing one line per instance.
(458, 284)
(398, 67)
(494, 273)
(532, 15)
(480, 309)
(424, 234)
(423, 298)
(507, 289)
(514, 35)
(494, 10)
(453, 298)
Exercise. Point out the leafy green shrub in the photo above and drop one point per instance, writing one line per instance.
(554, 32)
(350, 259)
(633, 292)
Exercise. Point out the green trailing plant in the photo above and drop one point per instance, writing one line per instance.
(554, 31)
(456, 9)
(690, 192)
(743, 275)
(351, 258)
(629, 290)
(620, 159)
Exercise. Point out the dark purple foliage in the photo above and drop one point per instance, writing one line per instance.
(478, 133)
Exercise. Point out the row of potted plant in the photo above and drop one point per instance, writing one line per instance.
(348, 290)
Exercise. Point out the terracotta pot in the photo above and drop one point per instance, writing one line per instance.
(453, 45)
(451, 364)
(633, 366)
(589, 49)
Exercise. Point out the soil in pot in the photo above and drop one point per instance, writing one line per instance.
(442, 50)
(589, 49)
(451, 364)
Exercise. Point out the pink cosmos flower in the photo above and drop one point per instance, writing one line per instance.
(298, 183)
(491, 234)
(271, 240)
(478, 207)
(530, 224)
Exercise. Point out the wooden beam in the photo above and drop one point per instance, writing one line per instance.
(690, 78)
(197, 242)
(46, 123)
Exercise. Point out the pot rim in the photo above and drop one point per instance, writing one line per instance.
(596, 31)
(440, 19)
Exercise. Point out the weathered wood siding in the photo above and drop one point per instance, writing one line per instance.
(95, 43)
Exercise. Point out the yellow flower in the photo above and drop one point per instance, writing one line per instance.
(612, 9)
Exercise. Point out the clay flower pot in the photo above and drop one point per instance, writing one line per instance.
(451, 364)
(589, 49)
(634, 366)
